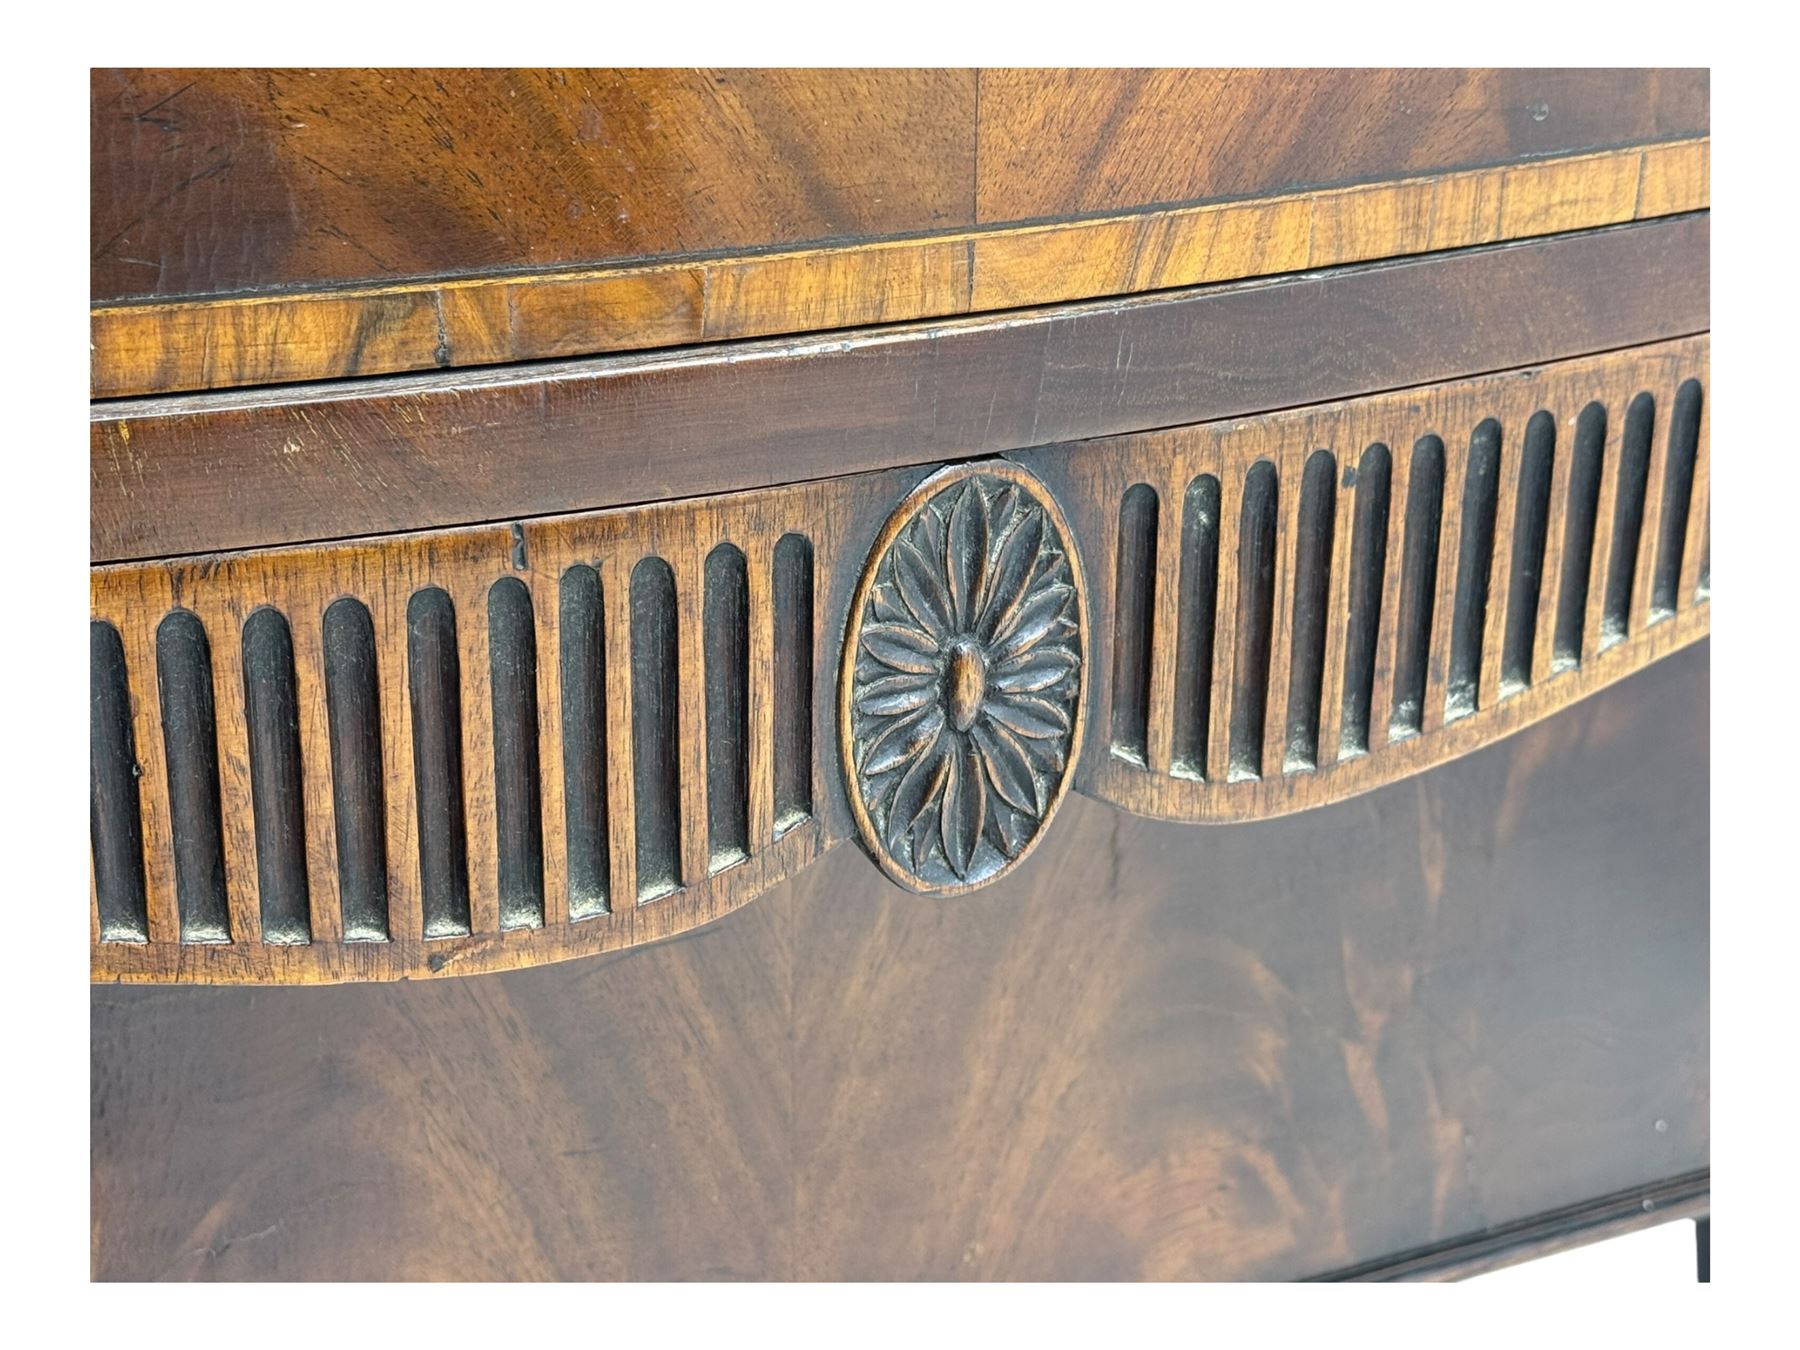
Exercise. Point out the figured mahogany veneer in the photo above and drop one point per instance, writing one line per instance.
(494, 319)
(537, 513)
(1465, 1014)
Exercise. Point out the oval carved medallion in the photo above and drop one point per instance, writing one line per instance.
(961, 692)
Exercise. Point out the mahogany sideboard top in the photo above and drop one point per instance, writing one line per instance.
(896, 674)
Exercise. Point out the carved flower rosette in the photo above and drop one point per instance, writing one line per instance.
(963, 679)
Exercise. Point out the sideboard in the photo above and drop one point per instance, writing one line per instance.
(896, 674)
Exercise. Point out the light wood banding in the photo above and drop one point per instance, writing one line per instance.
(147, 348)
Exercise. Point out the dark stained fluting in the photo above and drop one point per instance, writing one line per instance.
(1586, 468)
(1678, 496)
(434, 676)
(1368, 573)
(792, 588)
(581, 630)
(358, 792)
(518, 808)
(1196, 624)
(1628, 519)
(1531, 524)
(1474, 565)
(1418, 585)
(727, 671)
(277, 786)
(115, 820)
(655, 690)
(1312, 609)
(190, 745)
(1255, 621)
(1135, 603)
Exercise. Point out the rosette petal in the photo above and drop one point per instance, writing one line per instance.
(917, 792)
(1027, 715)
(1003, 512)
(1052, 753)
(886, 603)
(1009, 829)
(904, 740)
(927, 535)
(921, 591)
(1034, 669)
(964, 809)
(966, 554)
(901, 647)
(894, 694)
(1007, 767)
(1014, 563)
(1031, 622)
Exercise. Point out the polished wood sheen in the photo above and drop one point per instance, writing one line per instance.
(1261, 1052)
(896, 674)
(145, 348)
(251, 468)
(262, 226)
(213, 182)
(463, 813)
(961, 687)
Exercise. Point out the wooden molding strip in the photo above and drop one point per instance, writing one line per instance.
(476, 749)
(140, 349)
(249, 469)
(1683, 1197)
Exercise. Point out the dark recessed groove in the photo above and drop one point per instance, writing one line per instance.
(1198, 604)
(1135, 605)
(358, 778)
(114, 816)
(582, 632)
(1628, 519)
(1678, 495)
(1586, 469)
(727, 672)
(655, 691)
(434, 677)
(1418, 586)
(1312, 605)
(1474, 566)
(518, 805)
(1255, 622)
(191, 748)
(1531, 525)
(277, 787)
(1368, 573)
(792, 594)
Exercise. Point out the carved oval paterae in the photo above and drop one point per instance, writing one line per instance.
(962, 688)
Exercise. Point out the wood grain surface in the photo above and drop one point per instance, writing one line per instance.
(248, 468)
(1076, 142)
(211, 182)
(1152, 1052)
(148, 348)
(482, 470)
(489, 711)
